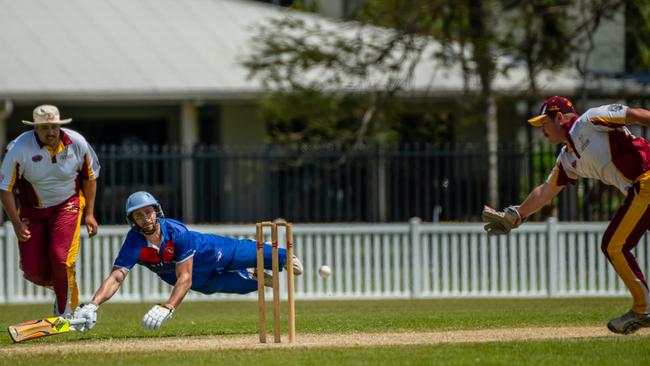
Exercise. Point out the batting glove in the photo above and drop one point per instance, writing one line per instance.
(157, 316)
(501, 222)
(88, 313)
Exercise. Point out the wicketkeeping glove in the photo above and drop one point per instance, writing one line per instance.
(87, 312)
(501, 222)
(158, 315)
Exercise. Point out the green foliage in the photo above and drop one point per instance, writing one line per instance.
(537, 32)
(637, 35)
(355, 71)
(342, 76)
(544, 158)
(422, 17)
(430, 126)
(311, 6)
(317, 117)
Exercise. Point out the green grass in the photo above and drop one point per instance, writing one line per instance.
(615, 352)
(122, 321)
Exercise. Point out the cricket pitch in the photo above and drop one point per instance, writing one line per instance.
(205, 343)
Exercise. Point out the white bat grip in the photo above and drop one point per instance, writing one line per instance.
(76, 321)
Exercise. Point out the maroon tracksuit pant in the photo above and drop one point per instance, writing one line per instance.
(48, 257)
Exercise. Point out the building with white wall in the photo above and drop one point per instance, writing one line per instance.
(170, 71)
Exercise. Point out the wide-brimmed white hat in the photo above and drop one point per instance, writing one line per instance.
(47, 114)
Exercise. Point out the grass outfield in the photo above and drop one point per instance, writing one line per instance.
(122, 322)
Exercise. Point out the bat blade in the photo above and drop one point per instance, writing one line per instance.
(40, 328)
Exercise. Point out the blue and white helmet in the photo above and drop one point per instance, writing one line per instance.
(139, 200)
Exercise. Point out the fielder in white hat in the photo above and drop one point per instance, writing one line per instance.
(52, 171)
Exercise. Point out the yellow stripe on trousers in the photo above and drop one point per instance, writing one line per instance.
(70, 261)
(638, 207)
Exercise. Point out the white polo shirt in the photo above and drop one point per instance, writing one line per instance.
(601, 147)
(42, 177)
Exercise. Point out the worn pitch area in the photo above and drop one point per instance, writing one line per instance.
(206, 343)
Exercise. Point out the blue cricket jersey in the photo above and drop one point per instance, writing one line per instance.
(212, 253)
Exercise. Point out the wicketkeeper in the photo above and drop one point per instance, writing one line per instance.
(597, 145)
(184, 259)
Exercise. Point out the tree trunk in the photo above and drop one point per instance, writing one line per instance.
(482, 35)
(492, 136)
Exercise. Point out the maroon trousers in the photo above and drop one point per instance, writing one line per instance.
(623, 234)
(48, 257)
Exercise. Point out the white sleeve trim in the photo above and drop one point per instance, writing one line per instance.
(188, 257)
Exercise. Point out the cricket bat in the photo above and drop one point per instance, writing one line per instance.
(41, 328)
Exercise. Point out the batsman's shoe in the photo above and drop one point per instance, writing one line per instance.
(268, 278)
(629, 322)
(297, 265)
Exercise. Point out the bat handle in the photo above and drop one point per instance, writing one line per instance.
(76, 321)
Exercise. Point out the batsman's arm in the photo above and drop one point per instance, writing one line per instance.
(110, 286)
(537, 198)
(90, 191)
(183, 282)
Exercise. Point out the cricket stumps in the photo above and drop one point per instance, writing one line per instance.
(275, 265)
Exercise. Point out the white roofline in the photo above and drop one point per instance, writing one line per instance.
(131, 50)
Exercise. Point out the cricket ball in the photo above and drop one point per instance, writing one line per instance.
(324, 271)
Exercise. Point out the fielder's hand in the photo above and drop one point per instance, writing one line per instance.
(500, 222)
(91, 225)
(87, 312)
(22, 230)
(158, 315)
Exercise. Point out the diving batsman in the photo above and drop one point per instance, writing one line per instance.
(182, 258)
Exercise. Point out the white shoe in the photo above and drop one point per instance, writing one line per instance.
(629, 322)
(268, 278)
(297, 265)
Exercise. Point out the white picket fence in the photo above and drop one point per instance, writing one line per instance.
(407, 260)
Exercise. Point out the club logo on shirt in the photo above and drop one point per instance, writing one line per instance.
(37, 158)
(615, 107)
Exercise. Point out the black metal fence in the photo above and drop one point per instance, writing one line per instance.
(328, 183)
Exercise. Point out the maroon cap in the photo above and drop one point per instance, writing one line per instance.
(550, 107)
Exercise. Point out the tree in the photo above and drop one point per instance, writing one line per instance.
(332, 82)
(637, 31)
(542, 35)
(342, 81)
